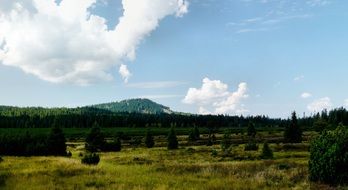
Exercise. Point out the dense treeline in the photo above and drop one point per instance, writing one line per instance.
(14, 117)
(28, 144)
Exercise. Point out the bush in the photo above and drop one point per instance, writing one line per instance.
(251, 130)
(68, 154)
(90, 159)
(267, 152)
(95, 139)
(172, 140)
(214, 152)
(226, 142)
(113, 146)
(328, 160)
(56, 142)
(1, 159)
(135, 142)
(149, 141)
(251, 145)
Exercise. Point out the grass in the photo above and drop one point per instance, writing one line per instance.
(187, 168)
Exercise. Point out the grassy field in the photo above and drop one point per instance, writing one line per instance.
(187, 168)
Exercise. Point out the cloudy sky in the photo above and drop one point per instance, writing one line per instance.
(201, 56)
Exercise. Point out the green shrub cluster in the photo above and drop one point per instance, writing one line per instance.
(329, 157)
(90, 159)
(267, 152)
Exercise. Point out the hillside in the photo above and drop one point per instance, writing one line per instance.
(134, 106)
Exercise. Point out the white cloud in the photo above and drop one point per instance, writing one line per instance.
(124, 72)
(320, 104)
(306, 95)
(346, 102)
(215, 94)
(156, 84)
(65, 42)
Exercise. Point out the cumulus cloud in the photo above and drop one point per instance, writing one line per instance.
(124, 72)
(306, 95)
(65, 42)
(320, 104)
(215, 94)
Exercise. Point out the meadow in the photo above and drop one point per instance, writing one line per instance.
(189, 167)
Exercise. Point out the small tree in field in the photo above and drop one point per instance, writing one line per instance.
(293, 133)
(172, 140)
(90, 159)
(267, 152)
(251, 130)
(56, 142)
(95, 139)
(226, 142)
(149, 141)
(328, 161)
(194, 134)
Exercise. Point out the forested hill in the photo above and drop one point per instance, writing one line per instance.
(145, 106)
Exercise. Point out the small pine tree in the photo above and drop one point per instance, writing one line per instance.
(172, 140)
(149, 141)
(293, 133)
(226, 142)
(56, 142)
(90, 159)
(251, 130)
(95, 139)
(196, 132)
(267, 152)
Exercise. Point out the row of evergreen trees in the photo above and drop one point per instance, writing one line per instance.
(30, 145)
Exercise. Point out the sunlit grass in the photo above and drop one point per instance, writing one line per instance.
(187, 168)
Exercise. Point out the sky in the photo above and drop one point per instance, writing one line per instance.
(236, 57)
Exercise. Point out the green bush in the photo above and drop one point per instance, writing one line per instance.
(90, 159)
(267, 152)
(172, 140)
(149, 141)
(95, 140)
(328, 162)
(226, 142)
(113, 146)
(251, 145)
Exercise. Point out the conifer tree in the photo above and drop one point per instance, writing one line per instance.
(149, 141)
(172, 140)
(56, 142)
(293, 133)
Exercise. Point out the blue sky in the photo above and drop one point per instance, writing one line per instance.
(257, 57)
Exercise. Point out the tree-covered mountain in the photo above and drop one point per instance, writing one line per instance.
(138, 105)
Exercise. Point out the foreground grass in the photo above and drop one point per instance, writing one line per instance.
(157, 168)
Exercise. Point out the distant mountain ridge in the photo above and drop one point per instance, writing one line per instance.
(138, 105)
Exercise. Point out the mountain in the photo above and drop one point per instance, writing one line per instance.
(138, 105)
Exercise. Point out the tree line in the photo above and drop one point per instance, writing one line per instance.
(14, 117)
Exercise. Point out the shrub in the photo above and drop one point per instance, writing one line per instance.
(251, 145)
(293, 133)
(90, 159)
(95, 139)
(112, 146)
(56, 142)
(135, 142)
(251, 130)
(172, 140)
(214, 152)
(267, 152)
(68, 154)
(149, 141)
(226, 142)
(328, 160)
(1, 159)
